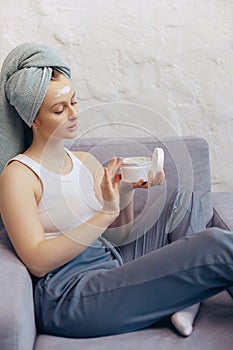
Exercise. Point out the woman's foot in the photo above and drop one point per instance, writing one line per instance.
(183, 320)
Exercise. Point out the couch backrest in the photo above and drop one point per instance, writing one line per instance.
(186, 159)
(186, 163)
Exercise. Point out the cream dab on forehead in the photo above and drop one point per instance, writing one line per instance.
(63, 91)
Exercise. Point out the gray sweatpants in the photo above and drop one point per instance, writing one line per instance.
(166, 268)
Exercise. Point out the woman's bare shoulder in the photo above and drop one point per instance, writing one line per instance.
(17, 171)
(19, 178)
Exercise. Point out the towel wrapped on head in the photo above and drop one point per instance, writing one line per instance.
(25, 77)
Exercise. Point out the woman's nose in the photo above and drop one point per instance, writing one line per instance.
(73, 112)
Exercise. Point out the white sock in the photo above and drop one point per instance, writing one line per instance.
(183, 320)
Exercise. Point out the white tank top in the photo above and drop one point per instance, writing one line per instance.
(67, 200)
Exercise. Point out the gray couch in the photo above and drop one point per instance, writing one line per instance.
(186, 164)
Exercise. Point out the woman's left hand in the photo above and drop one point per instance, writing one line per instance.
(158, 179)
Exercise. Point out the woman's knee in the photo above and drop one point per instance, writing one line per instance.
(185, 197)
(216, 237)
(185, 213)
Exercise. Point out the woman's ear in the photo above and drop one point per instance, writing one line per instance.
(35, 123)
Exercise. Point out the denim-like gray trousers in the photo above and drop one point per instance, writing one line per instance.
(170, 263)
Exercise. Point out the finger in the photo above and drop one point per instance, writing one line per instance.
(117, 165)
(112, 163)
(159, 178)
(120, 161)
(162, 177)
(150, 177)
(106, 177)
(116, 182)
(139, 183)
(116, 186)
(117, 178)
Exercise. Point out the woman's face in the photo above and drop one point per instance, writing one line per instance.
(57, 117)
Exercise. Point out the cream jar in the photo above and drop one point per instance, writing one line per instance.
(135, 168)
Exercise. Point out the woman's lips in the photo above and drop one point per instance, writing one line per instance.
(72, 127)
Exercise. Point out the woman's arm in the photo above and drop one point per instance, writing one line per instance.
(119, 229)
(118, 232)
(20, 189)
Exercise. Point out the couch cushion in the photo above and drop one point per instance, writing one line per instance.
(223, 210)
(17, 323)
(213, 331)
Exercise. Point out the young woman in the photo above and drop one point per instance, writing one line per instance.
(87, 282)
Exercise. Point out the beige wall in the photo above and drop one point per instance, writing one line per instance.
(160, 67)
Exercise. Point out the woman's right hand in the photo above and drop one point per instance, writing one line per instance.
(110, 187)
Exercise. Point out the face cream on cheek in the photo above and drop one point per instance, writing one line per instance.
(63, 91)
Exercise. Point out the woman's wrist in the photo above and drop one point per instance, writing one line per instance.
(126, 191)
(111, 208)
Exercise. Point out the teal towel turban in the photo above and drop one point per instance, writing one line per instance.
(24, 80)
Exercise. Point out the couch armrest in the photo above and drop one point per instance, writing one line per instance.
(17, 321)
(223, 210)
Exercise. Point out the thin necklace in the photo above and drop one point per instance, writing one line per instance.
(62, 166)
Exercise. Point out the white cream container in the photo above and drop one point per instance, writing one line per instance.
(135, 168)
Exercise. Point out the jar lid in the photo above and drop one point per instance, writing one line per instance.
(138, 161)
